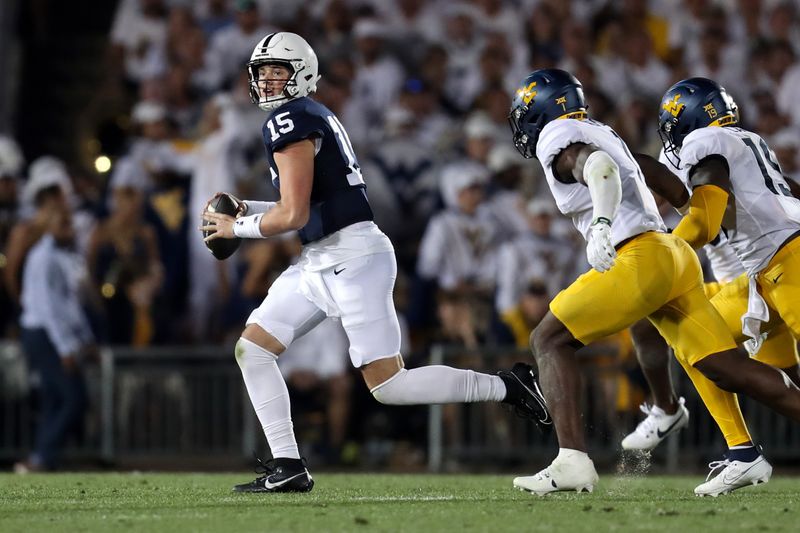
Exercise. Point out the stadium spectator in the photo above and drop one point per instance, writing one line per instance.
(231, 46)
(463, 42)
(213, 16)
(215, 164)
(646, 73)
(542, 29)
(456, 250)
(403, 182)
(526, 313)
(377, 77)
(456, 245)
(56, 337)
(480, 135)
(46, 191)
(123, 261)
(506, 199)
(11, 165)
(139, 29)
(335, 31)
(786, 145)
(536, 254)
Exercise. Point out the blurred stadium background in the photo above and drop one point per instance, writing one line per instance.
(138, 110)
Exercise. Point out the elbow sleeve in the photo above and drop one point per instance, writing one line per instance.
(601, 174)
(702, 223)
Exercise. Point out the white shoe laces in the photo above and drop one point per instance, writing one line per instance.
(717, 467)
(650, 423)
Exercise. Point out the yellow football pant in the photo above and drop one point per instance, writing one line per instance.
(657, 276)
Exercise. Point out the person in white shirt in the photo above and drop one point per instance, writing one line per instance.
(56, 337)
(457, 244)
(535, 254)
(230, 47)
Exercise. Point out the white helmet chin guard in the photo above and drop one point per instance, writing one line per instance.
(289, 50)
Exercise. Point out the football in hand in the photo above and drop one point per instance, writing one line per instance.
(222, 248)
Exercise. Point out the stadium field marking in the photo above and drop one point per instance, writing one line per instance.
(408, 499)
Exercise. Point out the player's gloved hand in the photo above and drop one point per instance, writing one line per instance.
(600, 251)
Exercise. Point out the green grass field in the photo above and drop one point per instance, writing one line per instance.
(376, 502)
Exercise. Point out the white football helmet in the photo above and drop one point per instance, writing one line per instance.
(289, 50)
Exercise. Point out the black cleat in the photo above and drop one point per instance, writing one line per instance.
(280, 475)
(524, 394)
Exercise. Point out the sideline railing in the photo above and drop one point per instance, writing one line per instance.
(167, 402)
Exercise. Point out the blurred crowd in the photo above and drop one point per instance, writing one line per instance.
(423, 90)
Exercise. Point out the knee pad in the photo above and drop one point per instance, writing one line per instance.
(246, 349)
(392, 391)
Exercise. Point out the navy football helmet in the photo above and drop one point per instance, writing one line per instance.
(691, 104)
(545, 95)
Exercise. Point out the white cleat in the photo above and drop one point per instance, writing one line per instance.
(578, 475)
(656, 427)
(731, 475)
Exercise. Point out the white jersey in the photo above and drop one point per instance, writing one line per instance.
(725, 264)
(766, 214)
(637, 213)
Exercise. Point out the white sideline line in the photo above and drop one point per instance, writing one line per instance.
(403, 498)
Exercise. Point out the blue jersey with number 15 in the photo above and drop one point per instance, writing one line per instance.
(338, 194)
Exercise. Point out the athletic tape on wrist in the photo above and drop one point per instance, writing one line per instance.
(248, 227)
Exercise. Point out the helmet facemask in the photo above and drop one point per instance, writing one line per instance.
(289, 91)
(525, 133)
(666, 131)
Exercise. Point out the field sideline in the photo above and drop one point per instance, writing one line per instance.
(378, 502)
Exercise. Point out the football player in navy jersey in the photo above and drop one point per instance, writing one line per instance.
(346, 270)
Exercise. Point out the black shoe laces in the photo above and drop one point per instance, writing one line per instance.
(265, 469)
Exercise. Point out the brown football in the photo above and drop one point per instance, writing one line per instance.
(222, 248)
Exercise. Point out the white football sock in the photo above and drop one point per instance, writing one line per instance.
(439, 384)
(269, 397)
(568, 454)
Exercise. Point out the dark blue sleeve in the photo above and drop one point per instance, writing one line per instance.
(290, 125)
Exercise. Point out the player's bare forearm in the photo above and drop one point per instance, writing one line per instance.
(283, 218)
(280, 219)
(662, 181)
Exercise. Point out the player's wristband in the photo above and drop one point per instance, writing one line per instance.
(248, 227)
(601, 220)
(253, 207)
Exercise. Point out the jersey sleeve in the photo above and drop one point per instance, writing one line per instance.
(556, 136)
(290, 125)
(699, 144)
